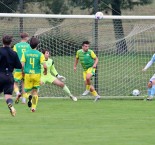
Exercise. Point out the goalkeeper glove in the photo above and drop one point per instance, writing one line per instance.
(61, 78)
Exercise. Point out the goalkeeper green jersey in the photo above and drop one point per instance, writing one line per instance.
(86, 58)
(20, 48)
(33, 60)
(50, 68)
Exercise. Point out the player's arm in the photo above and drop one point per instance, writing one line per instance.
(17, 63)
(148, 65)
(76, 61)
(42, 61)
(14, 48)
(23, 60)
(45, 68)
(54, 71)
(93, 55)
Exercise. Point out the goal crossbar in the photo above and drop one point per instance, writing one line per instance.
(73, 16)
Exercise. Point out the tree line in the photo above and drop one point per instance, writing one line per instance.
(66, 6)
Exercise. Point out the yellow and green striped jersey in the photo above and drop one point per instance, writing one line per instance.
(86, 58)
(20, 48)
(33, 60)
(50, 68)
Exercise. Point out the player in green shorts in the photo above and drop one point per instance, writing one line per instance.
(31, 62)
(89, 61)
(55, 78)
(20, 48)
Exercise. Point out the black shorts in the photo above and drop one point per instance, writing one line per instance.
(6, 83)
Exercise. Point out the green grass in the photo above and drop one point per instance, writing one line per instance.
(64, 122)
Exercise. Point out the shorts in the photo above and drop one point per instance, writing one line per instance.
(48, 79)
(90, 70)
(6, 83)
(31, 81)
(18, 76)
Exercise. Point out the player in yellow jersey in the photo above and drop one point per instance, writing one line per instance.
(20, 48)
(89, 61)
(55, 79)
(31, 62)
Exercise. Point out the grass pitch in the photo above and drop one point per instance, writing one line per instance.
(64, 122)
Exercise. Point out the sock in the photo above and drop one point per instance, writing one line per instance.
(94, 93)
(65, 88)
(88, 87)
(25, 95)
(149, 91)
(16, 90)
(34, 101)
(9, 101)
(153, 91)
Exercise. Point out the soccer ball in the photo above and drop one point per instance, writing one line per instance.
(99, 15)
(136, 92)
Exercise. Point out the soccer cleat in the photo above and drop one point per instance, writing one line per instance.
(97, 98)
(33, 110)
(73, 98)
(149, 98)
(29, 103)
(12, 110)
(23, 100)
(17, 98)
(86, 92)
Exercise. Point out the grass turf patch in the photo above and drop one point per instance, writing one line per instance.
(62, 121)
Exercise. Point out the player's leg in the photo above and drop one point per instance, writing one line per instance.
(8, 90)
(17, 78)
(86, 92)
(90, 72)
(151, 88)
(35, 79)
(24, 94)
(57, 82)
(28, 85)
(34, 99)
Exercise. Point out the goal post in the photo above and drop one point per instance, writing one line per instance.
(125, 45)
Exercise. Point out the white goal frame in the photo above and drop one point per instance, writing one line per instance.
(130, 37)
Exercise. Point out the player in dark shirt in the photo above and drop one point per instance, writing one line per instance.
(8, 61)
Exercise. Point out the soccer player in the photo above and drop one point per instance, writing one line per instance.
(89, 61)
(8, 61)
(55, 79)
(20, 48)
(31, 62)
(151, 83)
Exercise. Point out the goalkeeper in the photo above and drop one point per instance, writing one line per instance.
(56, 79)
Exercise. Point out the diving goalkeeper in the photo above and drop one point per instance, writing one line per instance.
(55, 79)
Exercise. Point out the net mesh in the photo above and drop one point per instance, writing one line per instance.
(124, 48)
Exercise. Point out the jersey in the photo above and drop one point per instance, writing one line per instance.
(33, 60)
(153, 58)
(86, 58)
(50, 68)
(20, 48)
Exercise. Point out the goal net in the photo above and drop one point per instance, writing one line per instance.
(123, 45)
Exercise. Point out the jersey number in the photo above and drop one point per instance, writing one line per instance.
(32, 60)
(23, 50)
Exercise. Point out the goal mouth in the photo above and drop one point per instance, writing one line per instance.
(123, 44)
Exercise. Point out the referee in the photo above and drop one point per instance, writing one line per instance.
(8, 61)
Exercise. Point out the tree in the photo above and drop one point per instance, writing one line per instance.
(8, 6)
(116, 6)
